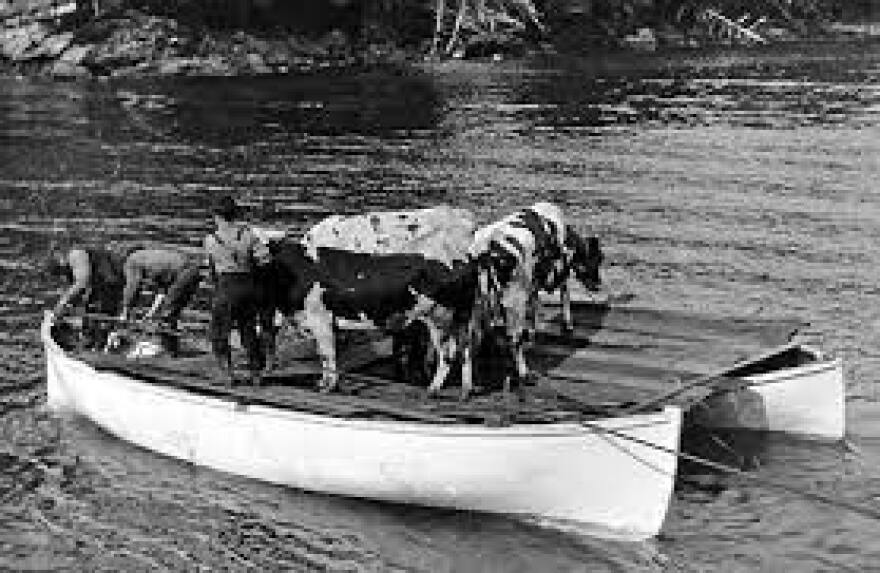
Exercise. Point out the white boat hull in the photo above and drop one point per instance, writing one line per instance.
(806, 401)
(614, 477)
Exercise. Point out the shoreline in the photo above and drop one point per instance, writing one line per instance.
(58, 41)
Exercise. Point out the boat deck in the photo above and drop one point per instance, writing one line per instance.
(618, 358)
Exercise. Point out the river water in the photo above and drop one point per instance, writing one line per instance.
(736, 182)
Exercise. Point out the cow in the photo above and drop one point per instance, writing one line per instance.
(529, 251)
(315, 287)
(442, 233)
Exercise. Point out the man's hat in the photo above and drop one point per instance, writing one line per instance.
(55, 264)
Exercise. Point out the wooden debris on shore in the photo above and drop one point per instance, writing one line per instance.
(740, 31)
(477, 21)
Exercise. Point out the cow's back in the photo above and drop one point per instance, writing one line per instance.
(440, 233)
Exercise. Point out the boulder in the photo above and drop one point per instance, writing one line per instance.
(256, 64)
(49, 47)
(277, 56)
(74, 55)
(212, 66)
(643, 40)
(63, 69)
(15, 42)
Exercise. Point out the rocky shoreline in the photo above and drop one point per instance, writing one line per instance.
(56, 40)
(64, 39)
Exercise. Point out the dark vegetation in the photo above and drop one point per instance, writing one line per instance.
(232, 37)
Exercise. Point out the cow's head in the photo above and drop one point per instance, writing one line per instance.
(500, 262)
(281, 281)
(584, 258)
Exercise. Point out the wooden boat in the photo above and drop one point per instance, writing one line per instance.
(725, 372)
(609, 475)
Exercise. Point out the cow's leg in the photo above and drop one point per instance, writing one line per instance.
(221, 328)
(565, 302)
(467, 370)
(444, 349)
(250, 340)
(516, 308)
(319, 321)
(267, 335)
(470, 335)
(531, 321)
(518, 350)
(401, 354)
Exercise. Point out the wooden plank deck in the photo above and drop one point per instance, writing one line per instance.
(617, 357)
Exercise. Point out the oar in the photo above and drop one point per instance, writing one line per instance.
(871, 512)
(661, 398)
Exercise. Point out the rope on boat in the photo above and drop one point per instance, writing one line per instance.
(869, 512)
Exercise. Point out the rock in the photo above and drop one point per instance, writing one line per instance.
(670, 36)
(175, 66)
(15, 42)
(257, 64)
(62, 69)
(277, 57)
(777, 33)
(213, 66)
(643, 40)
(74, 55)
(55, 45)
(62, 9)
(50, 47)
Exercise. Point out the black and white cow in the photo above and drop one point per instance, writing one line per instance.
(441, 233)
(530, 251)
(317, 286)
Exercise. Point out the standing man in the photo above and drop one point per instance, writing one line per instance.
(237, 298)
(96, 281)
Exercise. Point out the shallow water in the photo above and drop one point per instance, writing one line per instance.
(733, 182)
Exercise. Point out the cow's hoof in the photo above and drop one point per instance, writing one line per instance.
(225, 377)
(529, 379)
(512, 397)
(497, 419)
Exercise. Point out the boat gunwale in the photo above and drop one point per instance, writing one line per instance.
(792, 372)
